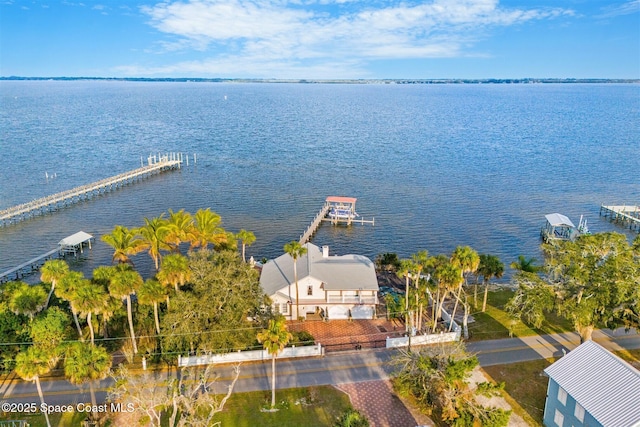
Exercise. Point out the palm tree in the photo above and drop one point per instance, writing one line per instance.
(152, 293)
(528, 265)
(51, 272)
(406, 266)
(85, 363)
(295, 250)
(124, 243)
(90, 299)
(449, 278)
(247, 238)
(420, 260)
(153, 236)
(181, 228)
(124, 283)
(468, 261)
(102, 277)
(27, 300)
(207, 229)
(490, 266)
(31, 365)
(175, 271)
(66, 290)
(274, 339)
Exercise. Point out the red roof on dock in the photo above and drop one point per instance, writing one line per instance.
(340, 199)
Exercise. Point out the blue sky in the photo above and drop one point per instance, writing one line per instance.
(321, 39)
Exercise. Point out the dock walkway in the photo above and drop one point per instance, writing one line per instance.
(624, 215)
(73, 244)
(156, 164)
(306, 236)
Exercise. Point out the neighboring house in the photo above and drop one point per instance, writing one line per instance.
(336, 287)
(590, 386)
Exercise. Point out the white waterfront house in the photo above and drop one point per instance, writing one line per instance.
(336, 287)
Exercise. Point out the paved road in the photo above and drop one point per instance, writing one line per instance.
(356, 366)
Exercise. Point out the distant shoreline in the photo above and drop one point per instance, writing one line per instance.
(329, 81)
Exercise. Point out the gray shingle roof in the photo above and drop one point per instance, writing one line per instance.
(603, 384)
(345, 272)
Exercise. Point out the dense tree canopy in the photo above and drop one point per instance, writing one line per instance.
(219, 309)
(593, 281)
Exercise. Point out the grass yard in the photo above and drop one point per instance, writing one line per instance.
(309, 406)
(525, 387)
(495, 323)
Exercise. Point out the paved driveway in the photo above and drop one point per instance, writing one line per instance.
(377, 401)
(340, 335)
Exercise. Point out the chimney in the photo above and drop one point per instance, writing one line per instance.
(325, 251)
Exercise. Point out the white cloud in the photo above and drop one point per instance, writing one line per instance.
(626, 8)
(281, 36)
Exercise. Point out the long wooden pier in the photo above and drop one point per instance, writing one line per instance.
(624, 215)
(156, 164)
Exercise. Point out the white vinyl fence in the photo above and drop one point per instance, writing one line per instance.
(249, 356)
(429, 338)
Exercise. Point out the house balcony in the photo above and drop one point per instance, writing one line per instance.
(352, 299)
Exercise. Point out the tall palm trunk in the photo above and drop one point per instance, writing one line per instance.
(90, 327)
(295, 278)
(406, 303)
(486, 292)
(75, 319)
(46, 416)
(155, 316)
(53, 285)
(273, 380)
(130, 317)
(455, 307)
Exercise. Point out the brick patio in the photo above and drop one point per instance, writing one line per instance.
(340, 335)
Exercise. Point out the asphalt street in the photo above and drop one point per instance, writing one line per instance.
(335, 368)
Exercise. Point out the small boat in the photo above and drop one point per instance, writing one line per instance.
(559, 227)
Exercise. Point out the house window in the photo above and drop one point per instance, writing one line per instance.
(579, 412)
(309, 290)
(285, 308)
(562, 396)
(558, 419)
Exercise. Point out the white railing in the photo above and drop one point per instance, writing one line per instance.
(249, 356)
(352, 299)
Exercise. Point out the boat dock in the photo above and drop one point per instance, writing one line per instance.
(69, 245)
(624, 215)
(155, 164)
(336, 210)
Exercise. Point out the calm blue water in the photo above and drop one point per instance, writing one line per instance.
(437, 166)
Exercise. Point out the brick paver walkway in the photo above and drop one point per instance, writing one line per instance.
(377, 401)
(340, 335)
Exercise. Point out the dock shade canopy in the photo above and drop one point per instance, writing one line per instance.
(339, 199)
(75, 239)
(558, 220)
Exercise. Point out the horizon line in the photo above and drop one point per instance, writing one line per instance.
(336, 80)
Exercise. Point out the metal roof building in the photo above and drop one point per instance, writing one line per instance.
(592, 386)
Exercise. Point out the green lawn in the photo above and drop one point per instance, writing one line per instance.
(495, 322)
(525, 387)
(310, 406)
